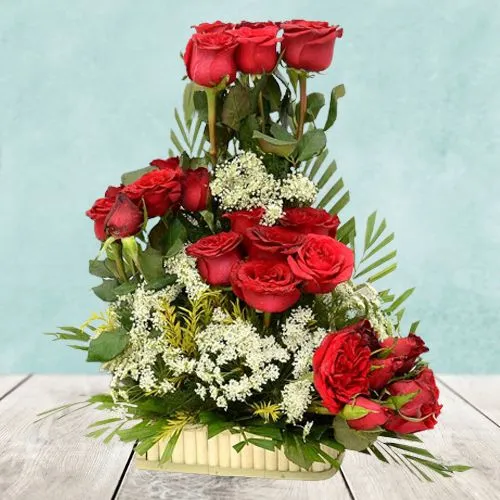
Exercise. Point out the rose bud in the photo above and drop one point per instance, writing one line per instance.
(310, 220)
(241, 220)
(308, 45)
(256, 52)
(215, 256)
(273, 242)
(209, 58)
(340, 366)
(265, 285)
(195, 190)
(419, 414)
(124, 219)
(172, 162)
(160, 190)
(113, 191)
(382, 370)
(407, 349)
(377, 414)
(322, 263)
(98, 213)
(215, 27)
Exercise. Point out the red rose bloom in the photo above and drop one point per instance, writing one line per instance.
(382, 370)
(209, 58)
(195, 190)
(160, 190)
(376, 417)
(257, 25)
(322, 263)
(273, 243)
(215, 27)
(310, 220)
(215, 256)
(98, 213)
(256, 52)
(420, 413)
(241, 220)
(341, 365)
(308, 45)
(124, 219)
(266, 285)
(406, 349)
(172, 162)
(113, 191)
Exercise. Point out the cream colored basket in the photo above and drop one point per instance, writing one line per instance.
(195, 453)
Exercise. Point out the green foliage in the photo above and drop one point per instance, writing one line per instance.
(353, 439)
(236, 107)
(107, 345)
(311, 144)
(274, 146)
(69, 333)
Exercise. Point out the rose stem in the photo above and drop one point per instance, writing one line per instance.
(303, 103)
(212, 119)
(267, 319)
(261, 111)
(119, 265)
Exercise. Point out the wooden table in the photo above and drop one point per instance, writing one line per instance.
(53, 459)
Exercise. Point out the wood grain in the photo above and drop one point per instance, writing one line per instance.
(149, 485)
(8, 382)
(463, 436)
(482, 391)
(53, 459)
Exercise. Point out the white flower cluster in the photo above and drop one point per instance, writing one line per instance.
(301, 338)
(243, 183)
(184, 267)
(349, 301)
(296, 397)
(235, 361)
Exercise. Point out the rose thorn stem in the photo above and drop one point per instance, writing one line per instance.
(303, 103)
(212, 120)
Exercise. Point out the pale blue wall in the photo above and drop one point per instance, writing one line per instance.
(87, 90)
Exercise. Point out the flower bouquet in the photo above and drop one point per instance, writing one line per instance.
(243, 334)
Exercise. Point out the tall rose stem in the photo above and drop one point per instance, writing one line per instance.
(212, 120)
(303, 104)
(261, 111)
(119, 266)
(267, 319)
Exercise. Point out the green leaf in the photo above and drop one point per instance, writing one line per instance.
(236, 106)
(370, 226)
(125, 288)
(267, 444)
(130, 177)
(336, 94)
(104, 422)
(352, 439)
(151, 263)
(265, 430)
(459, 468)
(315, 102)
(332, 192)
(272, 93)
(346, 231)
(188, 103)
(100, 268)
(399, 301)
(383, 273)
(412, 449)
(106, 290)
(239, 446)
(108, 345)
(311, 144)
(161, 282)
(318, 162)
(300, 453)
(177, 143)
(379, 247)
(353, 412)
(271, 145)
(281, 133)
(201, 104)
(378, 454)
(169, 448)
(339, 205)
(414, 326)
(214, 428)
(377, 263)
(327, 175)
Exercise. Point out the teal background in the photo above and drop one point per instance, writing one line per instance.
(87, 90)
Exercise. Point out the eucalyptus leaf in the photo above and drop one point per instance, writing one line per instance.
(108, 345)
(271, 145)
(106, 290)
(100, 268)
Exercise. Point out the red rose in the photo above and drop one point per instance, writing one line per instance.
(172, 162)
(215, 256)
(241, 220)
(160, 190)
(310, 220)
(341, 365)
(124, 219)
(113, 191)
(382, 370)
(98, 213)
(256, 52)
(195, 190)
(420, 413)
(273, 243)
(209, 58)
(215, 27)
(257, 25)
(308, 45)
(322, 263)
(376, 417)
(406, 349)
(266, 285)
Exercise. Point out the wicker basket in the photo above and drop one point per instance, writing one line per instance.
(195, 453)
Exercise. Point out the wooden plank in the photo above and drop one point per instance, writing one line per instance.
(482, 391)
(53, 458)
(166, 485)
(8, 382)
(462, 436)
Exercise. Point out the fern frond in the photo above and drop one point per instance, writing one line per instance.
(267, 411)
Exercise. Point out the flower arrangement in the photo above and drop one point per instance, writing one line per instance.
(236, 299)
